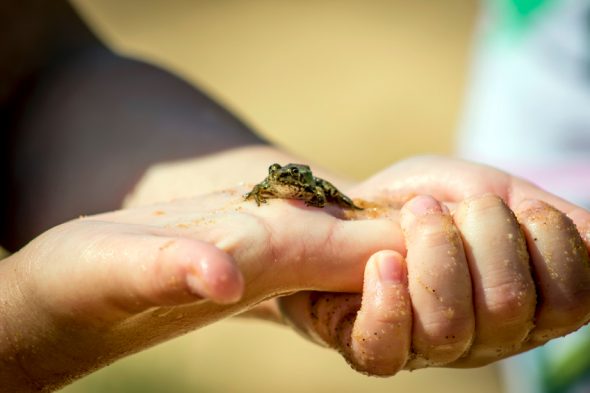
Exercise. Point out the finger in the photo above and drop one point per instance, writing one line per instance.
(561, 268)
(503, 289)
(299, 311)
(331, 263)
(181, 267)
(581, 218)
(522, 191)
(449, 180)
(380, 341)
(439, 284)
(332, 316)
(130, 272)
(320, 316)
(453, 180)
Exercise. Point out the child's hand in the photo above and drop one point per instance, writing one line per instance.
(473, 287)
(95, 289)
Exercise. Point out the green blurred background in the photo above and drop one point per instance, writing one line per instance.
(351, 85)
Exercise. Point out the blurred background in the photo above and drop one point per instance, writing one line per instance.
(350, 85)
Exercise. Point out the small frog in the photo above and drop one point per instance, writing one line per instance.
(296, 181)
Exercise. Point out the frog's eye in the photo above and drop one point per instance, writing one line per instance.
(273, 168)
(294, 170)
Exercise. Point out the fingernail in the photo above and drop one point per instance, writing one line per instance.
(391, 269)
(424, 204)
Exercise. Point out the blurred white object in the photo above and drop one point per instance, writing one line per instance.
(528, 104)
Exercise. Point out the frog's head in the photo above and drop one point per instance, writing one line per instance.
(295, 174)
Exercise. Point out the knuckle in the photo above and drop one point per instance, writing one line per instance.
(436, 235)
(446, 335)
(509, 303)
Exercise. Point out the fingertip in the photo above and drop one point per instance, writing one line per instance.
(530, 205)
(184, 270)
(417, 207)
(422, 204)
(581, 217)
(212, 274)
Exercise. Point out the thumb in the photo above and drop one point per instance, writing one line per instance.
(129, 271)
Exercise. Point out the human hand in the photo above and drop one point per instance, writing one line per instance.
(477, 288)
(98, 288)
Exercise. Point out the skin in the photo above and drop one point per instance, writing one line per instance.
(504, 270)
(150, 270)
(458, 185)
(151, 267)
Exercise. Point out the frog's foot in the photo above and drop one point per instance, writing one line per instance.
(255, 196)
(350, 205)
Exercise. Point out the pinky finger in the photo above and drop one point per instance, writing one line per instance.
(380, 340)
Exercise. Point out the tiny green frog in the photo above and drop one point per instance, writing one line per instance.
(296, 181)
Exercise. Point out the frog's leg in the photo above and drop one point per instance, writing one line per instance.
(318, 199)
(342, 200)
(345, 201)
(256, 193)
(333, 195)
